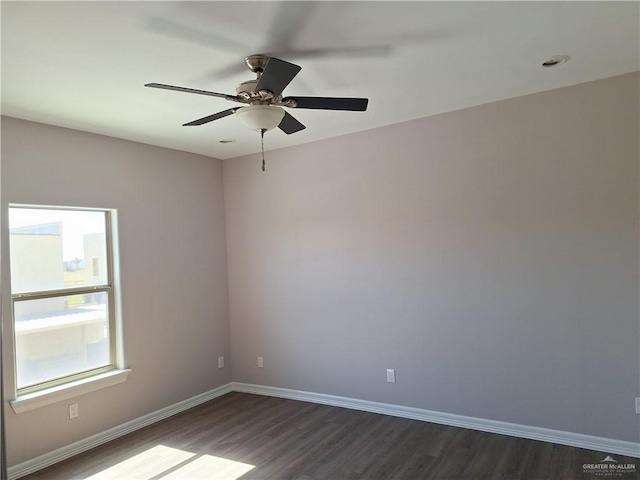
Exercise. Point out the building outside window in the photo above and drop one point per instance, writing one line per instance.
(95, 266)
(62, 294)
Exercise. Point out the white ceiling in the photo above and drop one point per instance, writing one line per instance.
(83, 65)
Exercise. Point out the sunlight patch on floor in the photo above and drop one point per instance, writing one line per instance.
(210, 468)
(162, 462)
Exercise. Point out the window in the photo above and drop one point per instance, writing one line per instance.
(63, 304)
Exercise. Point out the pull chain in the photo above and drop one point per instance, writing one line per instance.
(262, 130)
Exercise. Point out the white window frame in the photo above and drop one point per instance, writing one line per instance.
(70, 386)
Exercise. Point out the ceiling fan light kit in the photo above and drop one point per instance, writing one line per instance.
(260, 117)
(264, 101)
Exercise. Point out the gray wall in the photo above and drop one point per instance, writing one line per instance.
(173, 270)
(489, 255)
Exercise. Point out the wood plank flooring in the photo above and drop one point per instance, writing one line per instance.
(242, 436)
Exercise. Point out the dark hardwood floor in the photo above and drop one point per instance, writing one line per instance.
(243, 436)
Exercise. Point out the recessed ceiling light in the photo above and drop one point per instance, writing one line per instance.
(227, 140)
(557, 60)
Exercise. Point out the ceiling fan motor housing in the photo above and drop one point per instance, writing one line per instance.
(247, 92)
(246, 87)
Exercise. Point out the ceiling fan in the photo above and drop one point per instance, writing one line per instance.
(263, 98)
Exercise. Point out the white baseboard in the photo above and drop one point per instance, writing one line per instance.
(600, 444)
(60, 454)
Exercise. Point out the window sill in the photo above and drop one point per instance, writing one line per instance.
(32, 401)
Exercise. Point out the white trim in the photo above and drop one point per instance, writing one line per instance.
(31, 401)
(60, 454)
(601, 444)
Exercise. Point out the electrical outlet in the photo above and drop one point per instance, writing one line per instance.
(391, 375)
(73, 410)
(220, 362)
(260, 362)
(638, 405)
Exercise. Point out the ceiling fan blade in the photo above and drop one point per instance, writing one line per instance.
(211, 118)
(287, 22)
(328, 103)
(185, 32)
(290, 125)
(233, 98)
(277, 75)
